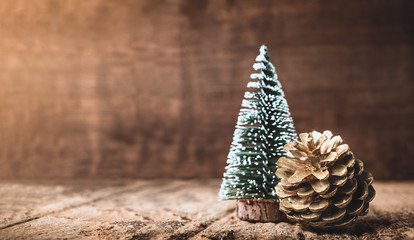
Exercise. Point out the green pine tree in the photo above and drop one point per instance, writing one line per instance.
(264, 126)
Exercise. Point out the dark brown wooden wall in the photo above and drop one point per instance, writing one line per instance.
(152, 88)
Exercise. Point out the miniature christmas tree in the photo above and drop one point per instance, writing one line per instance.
(264, 126)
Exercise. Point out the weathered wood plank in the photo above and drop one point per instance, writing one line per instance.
(24, 201)
(170, 208)
(163, 209)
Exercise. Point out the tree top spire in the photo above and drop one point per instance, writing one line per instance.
(263, 56)
(263, 49)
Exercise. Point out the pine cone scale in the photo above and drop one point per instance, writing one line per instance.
(335, 215)
(371, 194)
(355, 207)
(348, 160)
(298, 176)
(351, 173)
(368, 177)
(338, 170)
(359, 167)
(321, 174)
(300, 204)
(310, 215)
(285, 194)
(341, 149)
(319, 206)
(330, 193)
(342, 201)
(362, 191)
(331, 157)
(285, 164)
(349, 187)
(305, 192)
(320, 187)
(339, 181)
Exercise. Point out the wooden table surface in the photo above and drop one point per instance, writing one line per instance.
(171, 209)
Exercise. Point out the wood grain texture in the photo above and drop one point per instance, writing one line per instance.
(152, 88)
(165, 209)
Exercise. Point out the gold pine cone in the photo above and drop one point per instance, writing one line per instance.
(322, 185)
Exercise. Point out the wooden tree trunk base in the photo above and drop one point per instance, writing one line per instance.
(259, 210)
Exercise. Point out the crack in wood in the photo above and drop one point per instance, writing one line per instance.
(19, 222)
(206, 226)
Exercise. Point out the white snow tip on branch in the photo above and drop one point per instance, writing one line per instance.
(256, 76)
(260, 58)
(258, 66)
(253, 85)
(263, 49)
(263, 53)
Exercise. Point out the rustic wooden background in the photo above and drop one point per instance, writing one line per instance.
(152, 88)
